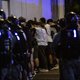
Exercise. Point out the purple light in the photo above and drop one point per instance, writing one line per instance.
(0, 33)
(75, 34)
(46, 8)
(33, 2)
(33, 8)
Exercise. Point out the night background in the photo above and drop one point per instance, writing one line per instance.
(72, 5)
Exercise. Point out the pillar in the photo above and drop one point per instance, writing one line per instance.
(54, 9)
(61, 8)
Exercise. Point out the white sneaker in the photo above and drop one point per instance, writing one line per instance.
(56, 67)
(44, 70)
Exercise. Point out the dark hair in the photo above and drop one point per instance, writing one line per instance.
(22, 19)
(49, 20)
(42, 20)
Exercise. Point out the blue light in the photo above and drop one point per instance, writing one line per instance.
(0, 34)
(9, 34)
(75, 34)
(12, 61)
(33, 2)
(46, 9)
(17, 36)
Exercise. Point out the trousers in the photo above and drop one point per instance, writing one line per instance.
(69, 69)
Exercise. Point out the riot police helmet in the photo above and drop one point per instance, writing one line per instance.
(13, 22)
(71, 18)
(13, 19)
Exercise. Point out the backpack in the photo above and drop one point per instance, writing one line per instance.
(70, 43)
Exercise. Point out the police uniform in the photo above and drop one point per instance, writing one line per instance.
(66, 46)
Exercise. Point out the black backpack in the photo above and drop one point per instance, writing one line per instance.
(70, 43)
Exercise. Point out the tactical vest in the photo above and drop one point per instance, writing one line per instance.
(70, 43)
(21, 42)
(6, 45)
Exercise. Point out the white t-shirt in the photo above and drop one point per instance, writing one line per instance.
(41, 36)
(48, 29)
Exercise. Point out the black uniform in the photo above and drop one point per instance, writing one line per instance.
(67, 48)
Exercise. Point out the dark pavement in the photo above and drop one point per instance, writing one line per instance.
(51, 75)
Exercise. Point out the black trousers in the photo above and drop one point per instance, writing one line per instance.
(42, 57)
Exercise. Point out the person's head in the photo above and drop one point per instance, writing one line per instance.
(61, 22)
(50, 21)
(22, 21)
(29, 24)
(13, 19)
(71, 19)
(42, 20)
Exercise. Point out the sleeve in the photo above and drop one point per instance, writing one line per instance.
(56, 40)
(56, 45)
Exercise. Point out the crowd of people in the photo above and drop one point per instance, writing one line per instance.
(40, 36)
(29, 47)
(26, 47)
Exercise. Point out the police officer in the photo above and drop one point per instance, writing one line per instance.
(20, 47)
(67, 48)
(6, 46)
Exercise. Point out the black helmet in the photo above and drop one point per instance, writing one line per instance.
(2, 14)
(13, 19)
(71, 18)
